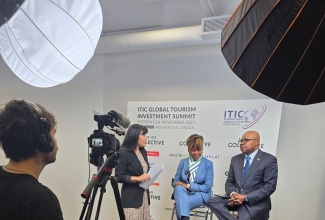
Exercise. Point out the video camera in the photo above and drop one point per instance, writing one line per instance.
(102, 143)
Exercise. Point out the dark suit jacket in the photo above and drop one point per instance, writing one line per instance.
(258, 184)
(129, 165)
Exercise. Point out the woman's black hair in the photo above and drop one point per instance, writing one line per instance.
(132, 135)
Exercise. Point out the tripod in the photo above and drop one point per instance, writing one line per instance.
(99, 180)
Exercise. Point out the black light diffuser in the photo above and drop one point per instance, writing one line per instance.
(277, 47)
(8, 8)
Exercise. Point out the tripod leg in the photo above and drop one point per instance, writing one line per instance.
(84, 208)
(102, 191)
(91, 204)
(117, 197)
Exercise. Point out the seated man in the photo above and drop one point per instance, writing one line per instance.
(193, 180)
(252, 178)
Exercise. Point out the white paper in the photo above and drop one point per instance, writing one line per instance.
(154, 172)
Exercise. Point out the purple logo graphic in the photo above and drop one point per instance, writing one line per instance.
(243, 118)
(252, 115)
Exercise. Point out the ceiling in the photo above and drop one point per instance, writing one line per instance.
(121, 16)
(125, 19)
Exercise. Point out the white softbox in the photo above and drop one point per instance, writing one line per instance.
(47, 42)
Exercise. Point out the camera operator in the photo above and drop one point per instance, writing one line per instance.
(131, 170)
(27, 136)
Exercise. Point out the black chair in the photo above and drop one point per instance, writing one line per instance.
(202, 212)
(233, 210)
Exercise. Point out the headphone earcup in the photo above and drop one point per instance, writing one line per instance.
(45, 144)
(51, 145)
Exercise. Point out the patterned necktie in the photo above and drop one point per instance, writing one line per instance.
(246, 166)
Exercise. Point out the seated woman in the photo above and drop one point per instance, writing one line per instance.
(193, 180)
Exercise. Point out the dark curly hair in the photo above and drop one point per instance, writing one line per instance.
(20, 129)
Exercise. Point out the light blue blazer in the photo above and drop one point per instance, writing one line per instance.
(203, 181)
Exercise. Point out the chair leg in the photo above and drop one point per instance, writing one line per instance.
(209, 212)
(173, 212)
(197, 213)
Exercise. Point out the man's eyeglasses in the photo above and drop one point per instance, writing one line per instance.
(245, 140)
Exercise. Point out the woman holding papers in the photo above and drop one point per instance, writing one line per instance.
(193, 180)
(131, 170)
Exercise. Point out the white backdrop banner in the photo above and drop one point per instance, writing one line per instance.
(221, 123)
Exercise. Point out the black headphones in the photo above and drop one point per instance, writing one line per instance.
(45, 143)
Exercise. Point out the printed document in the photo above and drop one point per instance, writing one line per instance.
(154, 172)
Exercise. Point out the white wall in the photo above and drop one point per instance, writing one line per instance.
(190, 73)
(72, 103)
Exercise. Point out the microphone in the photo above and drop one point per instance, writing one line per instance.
(122, 120)
(118, 119)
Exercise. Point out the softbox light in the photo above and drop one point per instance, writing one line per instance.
(47, 42)
(277, 47)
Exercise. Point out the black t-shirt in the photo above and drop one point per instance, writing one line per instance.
(22, 197)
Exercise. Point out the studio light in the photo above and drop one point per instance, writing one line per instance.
(278, 49)
(47, 42)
